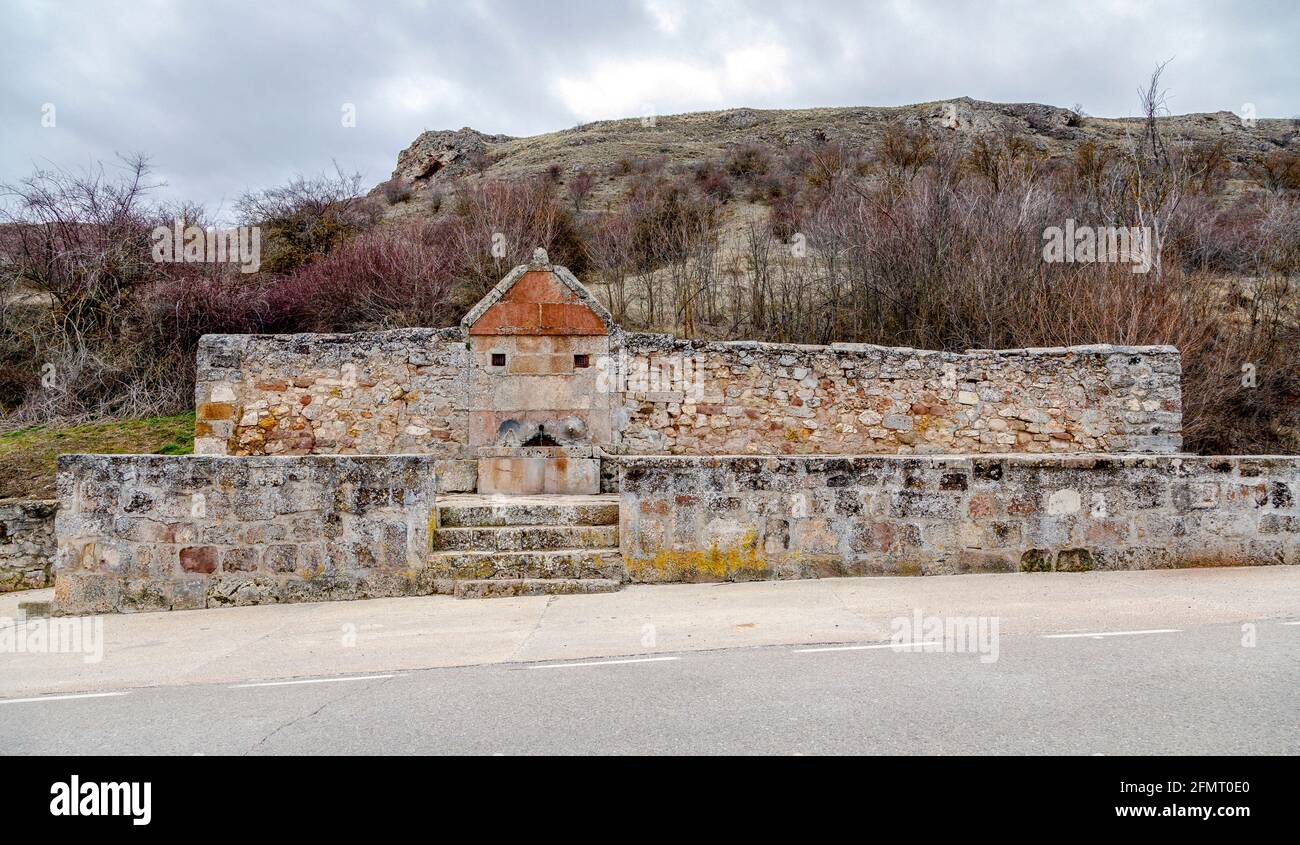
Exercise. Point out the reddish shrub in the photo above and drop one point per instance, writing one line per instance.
(385, 278)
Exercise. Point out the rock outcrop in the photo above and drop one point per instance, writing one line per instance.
(444, 153)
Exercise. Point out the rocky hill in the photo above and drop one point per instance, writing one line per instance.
(437, 159)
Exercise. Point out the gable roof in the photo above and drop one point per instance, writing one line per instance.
(550, 301)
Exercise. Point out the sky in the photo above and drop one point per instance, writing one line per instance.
(230, 96)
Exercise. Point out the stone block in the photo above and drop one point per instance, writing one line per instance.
(537, 475)
(86, 592)
(202, 559)
(1036, 560)
(1074, 560)
(977, 560)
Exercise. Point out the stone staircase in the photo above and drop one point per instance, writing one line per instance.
(489, 546)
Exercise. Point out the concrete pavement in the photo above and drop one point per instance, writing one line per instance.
(400, 635)
(1196, 690)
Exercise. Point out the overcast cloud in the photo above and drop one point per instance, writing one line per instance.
(227, 96)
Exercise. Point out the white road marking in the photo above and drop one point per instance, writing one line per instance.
(1296, 622)
(863, 647)
(60, 697)
(1096, 635)
(316, 681)
(602, 663)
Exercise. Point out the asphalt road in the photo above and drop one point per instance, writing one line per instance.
(1195, 690)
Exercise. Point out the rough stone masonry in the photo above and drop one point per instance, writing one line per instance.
(27, 543)
(744, 518)
(418, 391)
(323, 457)
(159, 532)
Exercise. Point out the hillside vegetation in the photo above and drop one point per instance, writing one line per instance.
(435, 163)
(918, 226)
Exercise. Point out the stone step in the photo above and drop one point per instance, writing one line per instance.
(557, 563)
(479, 511)
(492, 588)
(526, 538)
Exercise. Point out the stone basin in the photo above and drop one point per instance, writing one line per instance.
(533, 470)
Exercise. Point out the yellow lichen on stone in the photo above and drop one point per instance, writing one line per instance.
(311, 572)
(737, 561)
(432, 532)
(909, 567)
(1212, 559)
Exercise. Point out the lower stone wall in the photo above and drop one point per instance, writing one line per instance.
(154, 532)
(158, 532)
(26, 543)
(746, 518)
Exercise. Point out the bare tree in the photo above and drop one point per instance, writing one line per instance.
(1157, 177)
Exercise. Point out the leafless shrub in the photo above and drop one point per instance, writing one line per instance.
(396, 190)
(1276, 172)
(497, 226)
(902, 152)
(76, 257)
(580, 187)
(306, 217)
(748, 162)
(391, 277)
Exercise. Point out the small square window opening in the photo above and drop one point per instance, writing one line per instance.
(581, 361)
(498, 359)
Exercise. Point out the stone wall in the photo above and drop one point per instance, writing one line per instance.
(424, 391)
(399, 392)
(26, 543)
(738, 518)
(158, 532)
(747, 398)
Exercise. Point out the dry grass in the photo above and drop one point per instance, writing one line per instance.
(28, 455)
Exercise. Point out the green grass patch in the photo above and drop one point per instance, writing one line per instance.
(28, 456)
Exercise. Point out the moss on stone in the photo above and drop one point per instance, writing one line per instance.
(1036, 560)
(1074, 560)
